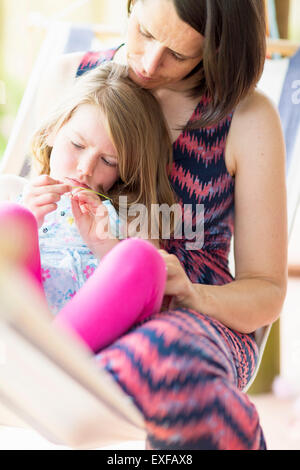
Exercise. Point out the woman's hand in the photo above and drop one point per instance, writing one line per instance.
(42, 194)
(92, 220)
(178, 286)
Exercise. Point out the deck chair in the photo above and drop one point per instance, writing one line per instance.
(61, 37)
(15, 167)
(15, 170)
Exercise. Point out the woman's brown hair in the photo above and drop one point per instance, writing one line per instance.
(137, 128)
(234, 51)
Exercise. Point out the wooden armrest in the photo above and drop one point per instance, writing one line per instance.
(294, 270)
(284, 47)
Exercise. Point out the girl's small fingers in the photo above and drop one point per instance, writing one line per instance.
(77, 208)
(85, 196)
(44, 210)
(44, 199)
(43, 180)
(84, 208)
(55, 188)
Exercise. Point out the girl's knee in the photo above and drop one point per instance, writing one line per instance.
(143, 258)
(18, 230)
(10, 211)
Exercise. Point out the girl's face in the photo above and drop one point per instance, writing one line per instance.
(83, 151)
(161, 48)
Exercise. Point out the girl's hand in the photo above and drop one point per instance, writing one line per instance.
(41, 195)
(178, 286)
(92, 219)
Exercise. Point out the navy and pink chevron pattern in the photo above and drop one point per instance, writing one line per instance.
(186, 371)
(199, 176)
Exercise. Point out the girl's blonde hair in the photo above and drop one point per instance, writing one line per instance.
(136, 127)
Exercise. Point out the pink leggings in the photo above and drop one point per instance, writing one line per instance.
(126, 288)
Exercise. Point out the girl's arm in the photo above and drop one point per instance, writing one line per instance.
(256, 150)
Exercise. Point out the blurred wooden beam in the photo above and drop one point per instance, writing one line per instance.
(282, 13)
(294, 270)
(283, 47)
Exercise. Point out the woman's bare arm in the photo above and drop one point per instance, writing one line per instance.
(256, 296)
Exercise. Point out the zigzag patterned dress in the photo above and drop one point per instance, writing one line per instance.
(184, 370)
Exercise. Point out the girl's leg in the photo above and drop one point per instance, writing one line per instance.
(19, 238)
(127, 287)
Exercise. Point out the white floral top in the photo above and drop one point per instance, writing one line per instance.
(66, 260)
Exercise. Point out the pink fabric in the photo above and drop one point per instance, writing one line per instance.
(18, 225)
(126, 288)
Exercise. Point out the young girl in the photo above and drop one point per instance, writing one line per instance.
(108, 137)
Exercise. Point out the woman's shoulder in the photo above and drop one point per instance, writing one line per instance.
(256, 104)
(256, 119)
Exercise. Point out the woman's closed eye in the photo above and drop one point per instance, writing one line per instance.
(148, 35)
(143, 33)
(176, 57)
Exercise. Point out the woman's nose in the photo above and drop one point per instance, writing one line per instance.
(152, 58)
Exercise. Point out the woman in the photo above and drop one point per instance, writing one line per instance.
(186, 367)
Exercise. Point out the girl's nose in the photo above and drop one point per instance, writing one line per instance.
(152, 58)
(86, 165)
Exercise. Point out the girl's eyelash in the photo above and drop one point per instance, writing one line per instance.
(107, 162)
(76, 145)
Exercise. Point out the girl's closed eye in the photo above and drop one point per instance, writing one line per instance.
(76, 145)
(109, 163)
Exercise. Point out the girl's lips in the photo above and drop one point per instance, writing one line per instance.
(77, 183)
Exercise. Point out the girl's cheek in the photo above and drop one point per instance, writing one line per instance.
(67, 158)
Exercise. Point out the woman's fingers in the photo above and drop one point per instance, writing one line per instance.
(172, 263)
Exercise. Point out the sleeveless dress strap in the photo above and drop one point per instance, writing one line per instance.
(92, 59)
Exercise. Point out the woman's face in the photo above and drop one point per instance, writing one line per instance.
(83, 151)
(161, 48)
